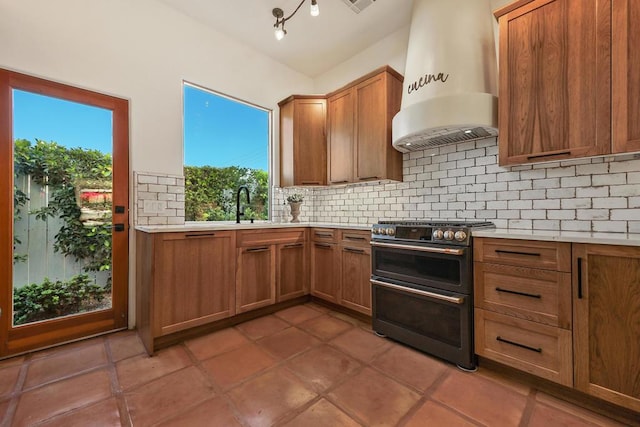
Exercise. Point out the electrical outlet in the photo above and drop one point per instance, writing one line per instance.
(153, 207)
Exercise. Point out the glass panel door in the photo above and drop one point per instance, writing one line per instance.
(62, 208)
(64, 193)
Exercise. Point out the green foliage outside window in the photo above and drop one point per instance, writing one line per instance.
(60, 168)
(210, 192)
(48, 300)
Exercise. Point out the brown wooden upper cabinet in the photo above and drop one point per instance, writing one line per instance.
(625, 68)
(569, 79)
(359, 135)
(303, 142)
(357, 145)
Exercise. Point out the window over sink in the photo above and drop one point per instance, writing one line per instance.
(226, 144)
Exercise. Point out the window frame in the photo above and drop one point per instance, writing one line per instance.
(270, 136)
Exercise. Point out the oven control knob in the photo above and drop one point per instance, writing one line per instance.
(460, 236)
(390, 231)
(375, 230)
(438, 234)
(448, 235)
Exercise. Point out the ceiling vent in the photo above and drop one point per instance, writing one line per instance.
(358, 5)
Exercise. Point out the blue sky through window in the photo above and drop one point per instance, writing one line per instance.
(67, 123)
(219, 131)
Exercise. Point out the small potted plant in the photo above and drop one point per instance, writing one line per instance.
(295, 200)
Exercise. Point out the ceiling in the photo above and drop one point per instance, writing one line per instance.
(313, 45)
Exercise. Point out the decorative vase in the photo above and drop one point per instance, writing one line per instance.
(295, 211)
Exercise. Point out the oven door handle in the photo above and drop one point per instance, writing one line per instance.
(432, 250)
(454, 300)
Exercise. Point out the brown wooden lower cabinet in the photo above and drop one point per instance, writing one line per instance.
(324, 272)
(606, 318)
(292, 279)
(184, 280)
(521, 314)
(355, 266)
(539, 349)
(255, 277)
(271, 267)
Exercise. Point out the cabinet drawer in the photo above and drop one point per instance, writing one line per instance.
(269, 236)
(356, 237)
(539, 295)
(525, 253)
(541, 350)
(324, 235)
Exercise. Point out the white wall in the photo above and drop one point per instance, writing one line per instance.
(391, 50)
(139, 50)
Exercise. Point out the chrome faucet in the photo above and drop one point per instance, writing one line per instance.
(239, 210)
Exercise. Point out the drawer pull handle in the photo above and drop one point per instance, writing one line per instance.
(524, 294)
(559, 153)
(502, 251)
(200, 235)
(355, 238)
(355, 251)
(323, 234)
(261, 249)
(322, 245)
(526, 347)
(293, 245)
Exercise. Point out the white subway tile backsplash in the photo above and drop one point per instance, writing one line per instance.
(459, 181)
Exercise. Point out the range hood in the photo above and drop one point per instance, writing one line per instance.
(450, 81)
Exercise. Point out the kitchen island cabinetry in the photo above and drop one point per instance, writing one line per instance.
(555, 80)
(303, 143)
(270, 267)
(523, 305)
(359, 135)
(606, 317)
(325, 256)
(355, 266)
(184, 280)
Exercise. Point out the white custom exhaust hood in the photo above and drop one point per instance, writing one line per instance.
(450, 83)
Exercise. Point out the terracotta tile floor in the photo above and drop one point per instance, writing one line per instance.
(303, 366)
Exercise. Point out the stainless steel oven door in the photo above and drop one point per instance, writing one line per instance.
(433, 321)
(447, 268)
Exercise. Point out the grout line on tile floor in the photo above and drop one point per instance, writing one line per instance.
(116, 389)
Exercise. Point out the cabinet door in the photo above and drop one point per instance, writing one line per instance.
(356, 272)
(340, 137)
(606, 323)
(371, 129)
(255, 277)
(194, 280)
(555, 81)
(324, 268)
(625, 67)
(310, 147)
(292, 280)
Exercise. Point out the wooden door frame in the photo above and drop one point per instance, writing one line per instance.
(29, 337)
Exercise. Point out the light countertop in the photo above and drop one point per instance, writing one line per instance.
(603, 238)
(244, 225)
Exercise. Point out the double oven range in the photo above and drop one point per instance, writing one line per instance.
(422, 286)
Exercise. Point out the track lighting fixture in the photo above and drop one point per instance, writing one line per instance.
(280, 32)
